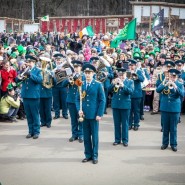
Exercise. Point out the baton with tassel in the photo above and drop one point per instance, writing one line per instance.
(79, 83)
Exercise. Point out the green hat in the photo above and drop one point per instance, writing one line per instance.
(156, 50)
(143, 44)
(21, 50)
(136, 54)
(152, 41)
(5, 46)
(31, 51)
(136, 50)
(9, 87)
(146, 56)
(178, 46)
(13, 55)
(152, 53)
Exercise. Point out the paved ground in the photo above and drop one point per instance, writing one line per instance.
(52, 160)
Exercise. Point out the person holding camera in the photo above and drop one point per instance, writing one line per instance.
(8, 75)
(122, 88)
(9, 105)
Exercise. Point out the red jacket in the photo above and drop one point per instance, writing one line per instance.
(7, 77)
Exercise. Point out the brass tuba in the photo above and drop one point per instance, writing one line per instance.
(102, 70)
(47, 73)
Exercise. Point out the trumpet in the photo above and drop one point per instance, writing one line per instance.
(167, 82)
(170, 86)
(134, 76)
(117, 84)
(22, 76)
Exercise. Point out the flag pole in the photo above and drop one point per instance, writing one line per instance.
(163, 36)
(32, 4)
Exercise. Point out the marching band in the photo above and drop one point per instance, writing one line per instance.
(61, 80)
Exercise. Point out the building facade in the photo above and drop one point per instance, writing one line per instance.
(11, 24)
(174, 14)
(100, 24)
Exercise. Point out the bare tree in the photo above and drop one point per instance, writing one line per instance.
(22, 8)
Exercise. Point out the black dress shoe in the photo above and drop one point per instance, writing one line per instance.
(72, 139)
(130, 127)
(163, 147)
(86, 160)
(116, 143)
(152, 113)
(42, 125)
(36, 136)
(29, 136)
(95, 161)
(65, 117)
(136, 128)
(125, 144)
(56, 117)
(48, 126)
(174, 148)
(142, 117)
(21, 118)
(80, 140)
(105, 112)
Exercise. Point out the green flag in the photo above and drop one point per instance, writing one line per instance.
(114, 43)
(127, 33)
(45, 18)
